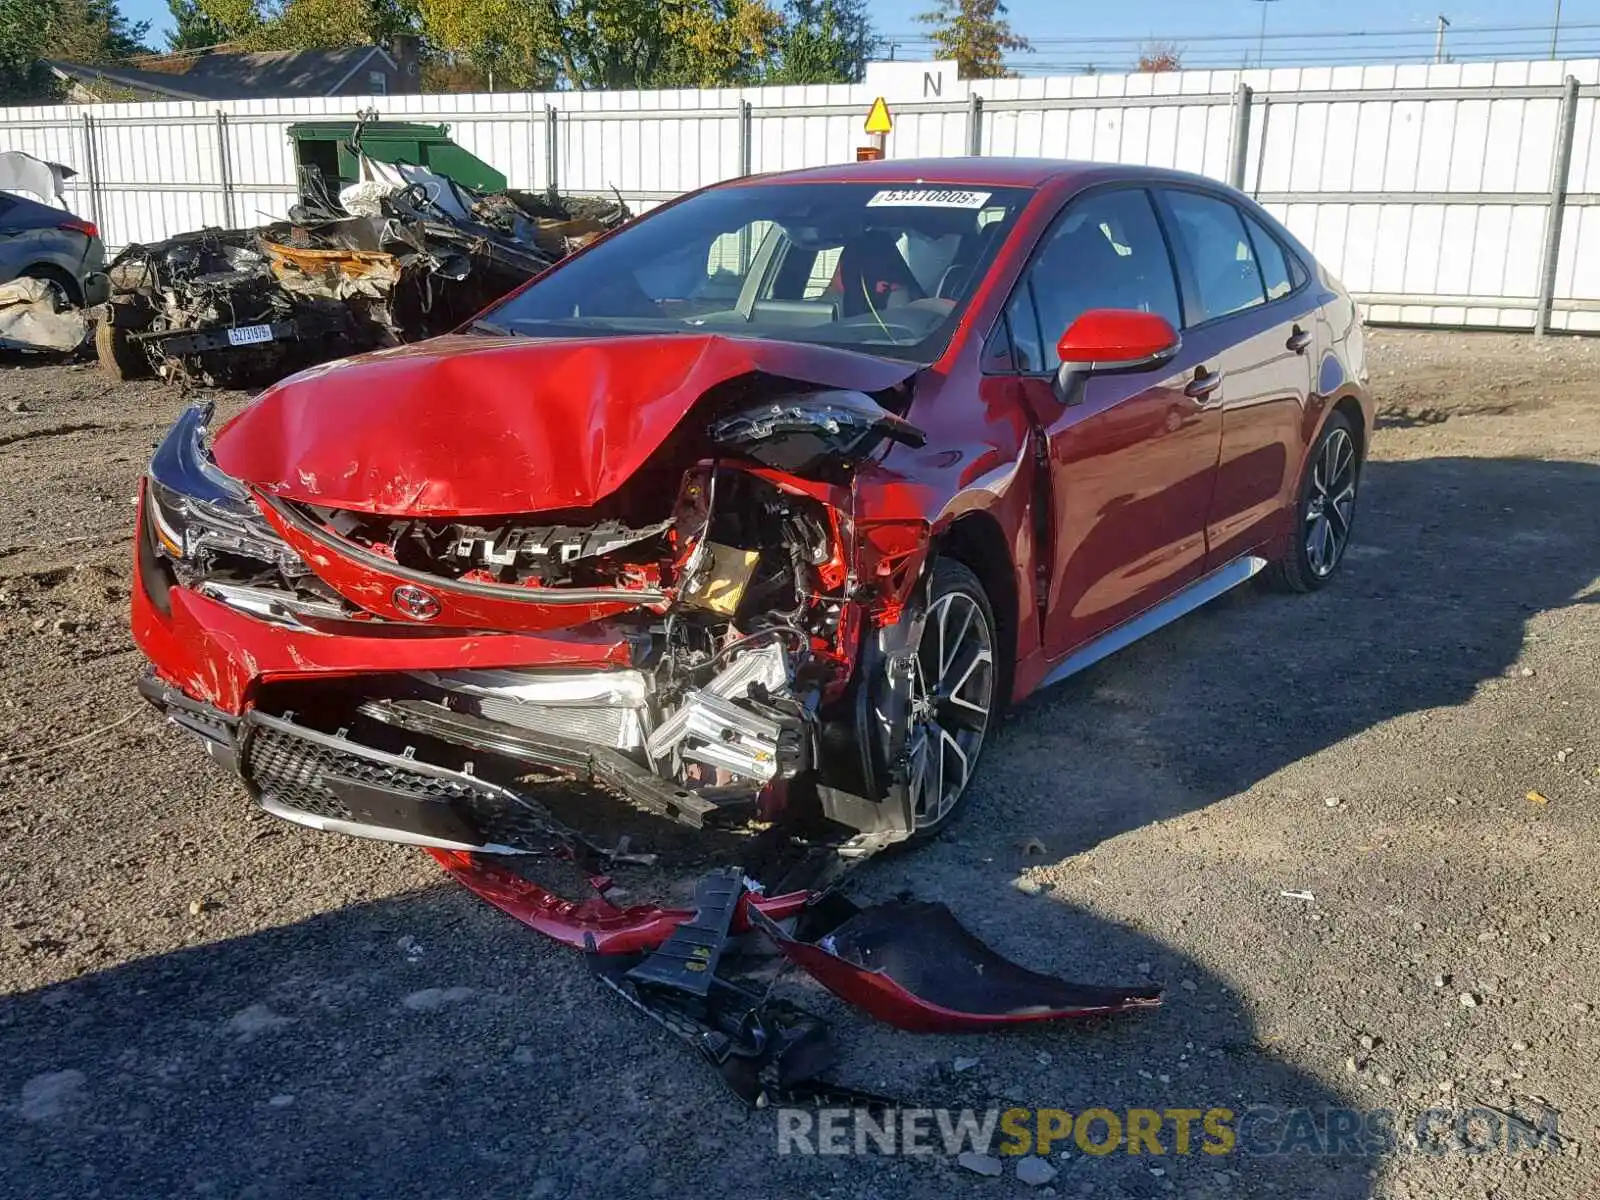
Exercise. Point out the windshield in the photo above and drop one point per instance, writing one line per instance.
(882, 269)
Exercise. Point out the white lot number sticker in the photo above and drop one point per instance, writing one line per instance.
(929, 198)
(249, 335)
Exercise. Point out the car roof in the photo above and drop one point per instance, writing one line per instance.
(996, 172)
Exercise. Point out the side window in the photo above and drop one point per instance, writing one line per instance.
(1106, 252)
(823, 268)
(1274, 263)
(1027, 350)
(1219, 252)
(999, 357)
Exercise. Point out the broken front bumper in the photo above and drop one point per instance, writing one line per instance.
(334, 783)
(910, 965)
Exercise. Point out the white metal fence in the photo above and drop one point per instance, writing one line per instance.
(1455, 195)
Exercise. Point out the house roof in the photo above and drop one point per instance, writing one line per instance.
(235, 75)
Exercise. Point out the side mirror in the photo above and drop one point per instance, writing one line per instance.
(1104, 340)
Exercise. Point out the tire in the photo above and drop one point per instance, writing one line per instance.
(69, 293)
(118, 355)
(960, 630)
(1324, 511)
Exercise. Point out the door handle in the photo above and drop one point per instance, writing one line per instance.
(1203, 384)
(1298, 340)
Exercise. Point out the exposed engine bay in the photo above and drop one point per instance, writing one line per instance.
(736, 603)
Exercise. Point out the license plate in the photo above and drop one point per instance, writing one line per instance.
(249, 335)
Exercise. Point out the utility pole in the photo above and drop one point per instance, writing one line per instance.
(1555, 30)
(1261, 41)
(1438, 46)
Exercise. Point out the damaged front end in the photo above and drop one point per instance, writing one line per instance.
(688, 644)
(680, 613)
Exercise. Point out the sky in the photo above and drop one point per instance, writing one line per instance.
(1223, 32)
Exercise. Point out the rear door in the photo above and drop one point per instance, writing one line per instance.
(1132, 463)
(1242, 290)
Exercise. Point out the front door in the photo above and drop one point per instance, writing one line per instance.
(1132, 463)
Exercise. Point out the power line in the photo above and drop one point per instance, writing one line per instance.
(1084, 66)
(1071, 54)
(1139, 39)
(1507, 50)
(1502, 48)
(1423, 34)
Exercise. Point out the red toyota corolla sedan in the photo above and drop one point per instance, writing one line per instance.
(755, 513)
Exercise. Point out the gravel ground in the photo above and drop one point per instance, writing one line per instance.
(198, 1000)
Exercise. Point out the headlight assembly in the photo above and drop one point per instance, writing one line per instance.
(197, 512)
(815, 435)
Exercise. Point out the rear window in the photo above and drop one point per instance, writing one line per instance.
(1274, 262)
(1220, 254)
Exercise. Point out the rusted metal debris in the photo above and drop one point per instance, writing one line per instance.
(245, 307)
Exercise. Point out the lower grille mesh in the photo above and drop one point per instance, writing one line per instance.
(290, 770)
(294, 771)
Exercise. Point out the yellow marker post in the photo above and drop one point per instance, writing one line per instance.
(878, 119)
(879, 125)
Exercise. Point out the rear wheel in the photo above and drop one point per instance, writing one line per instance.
(65, 291)
(1325, 511)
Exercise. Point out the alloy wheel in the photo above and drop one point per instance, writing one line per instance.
(1331, 503)
(952, 696)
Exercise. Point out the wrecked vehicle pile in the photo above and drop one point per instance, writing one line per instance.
(236, 308)
(50, 260)
(34, 317)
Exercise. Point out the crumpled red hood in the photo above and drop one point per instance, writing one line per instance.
(476, 426)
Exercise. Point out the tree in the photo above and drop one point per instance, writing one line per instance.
(655, 43)
(976, 34)
(24, 30)
(94, 31)
(822, 41)
(306, 24)
(237, 19)
(86, 31)
(1160, 56)
(604, 43)
(192, 27)
(485, 43)
(715, 43)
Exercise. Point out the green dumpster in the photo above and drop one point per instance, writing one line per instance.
(324, 147)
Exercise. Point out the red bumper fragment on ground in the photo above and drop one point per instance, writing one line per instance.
(914, 966)
(615, 930)
(910, 965)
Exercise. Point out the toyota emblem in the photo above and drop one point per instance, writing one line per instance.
(416, 603)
